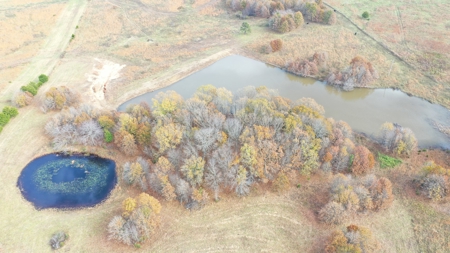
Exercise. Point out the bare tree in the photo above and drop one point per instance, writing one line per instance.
(213, 177)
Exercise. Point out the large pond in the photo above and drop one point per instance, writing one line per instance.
(364, 109)
(67, 181)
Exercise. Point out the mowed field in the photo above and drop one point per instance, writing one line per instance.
(159, 43)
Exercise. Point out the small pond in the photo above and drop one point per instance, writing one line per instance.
(67, 181)
(364, 109)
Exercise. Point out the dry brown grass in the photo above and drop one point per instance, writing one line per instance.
(161, 44)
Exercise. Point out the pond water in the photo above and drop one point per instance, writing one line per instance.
(364, 109)
(67, 181)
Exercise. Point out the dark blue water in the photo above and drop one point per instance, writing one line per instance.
(68, 174)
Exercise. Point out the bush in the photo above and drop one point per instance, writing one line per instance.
(29, 88)
(365, 15)
(43, 78)
(276, 45)
(387, 161)
(23, 99)
(4, 119)
(245, 28)
(11, 111)
(108, 136)
(58, 239)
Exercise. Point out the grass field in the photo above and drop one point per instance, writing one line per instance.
(160, 43)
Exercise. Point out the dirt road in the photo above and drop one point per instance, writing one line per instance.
(51, 52)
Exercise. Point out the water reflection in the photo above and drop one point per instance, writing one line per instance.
(364, 109)
(349, 96)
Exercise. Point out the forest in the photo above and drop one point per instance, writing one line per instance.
(194, 150)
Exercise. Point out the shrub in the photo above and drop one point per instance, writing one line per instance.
(29, 88)
(276, 45)
(282, 182)
(435, 186)
(4, 119)
(245, 28)
(387, 161)
(365, 15)
(332, 213)
(23, 99)
(58, 239)
(11, 111)
(43, 78)
(108, 136)
(381, 192)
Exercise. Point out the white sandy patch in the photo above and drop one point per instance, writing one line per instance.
(102, 73)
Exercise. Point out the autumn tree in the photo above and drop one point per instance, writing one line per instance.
(276, 45)
(167, 103)
(363, 161)
(125, 142)
(193, 170)
(397, 139)
(355, 239)
(168, 135)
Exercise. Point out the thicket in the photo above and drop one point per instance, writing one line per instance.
(56, 98)
(397, 139)
(360, 73)
(354, 239)
(350, 195)
(434, 181)
(286, 21)
(7, 113)
(138, 220)
(312, 11)
(309, 67)
(27, 92)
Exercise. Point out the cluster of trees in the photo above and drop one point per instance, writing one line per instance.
(397, 139)
(434, 182)
(309, 67)
(356, 195)
(28, 91)
(138, 221)
(313, 11)
(7, 113)
(354, 239)
(360, 73)
(223, 142)
(76, 126)
(56, 98)
(286, 21)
